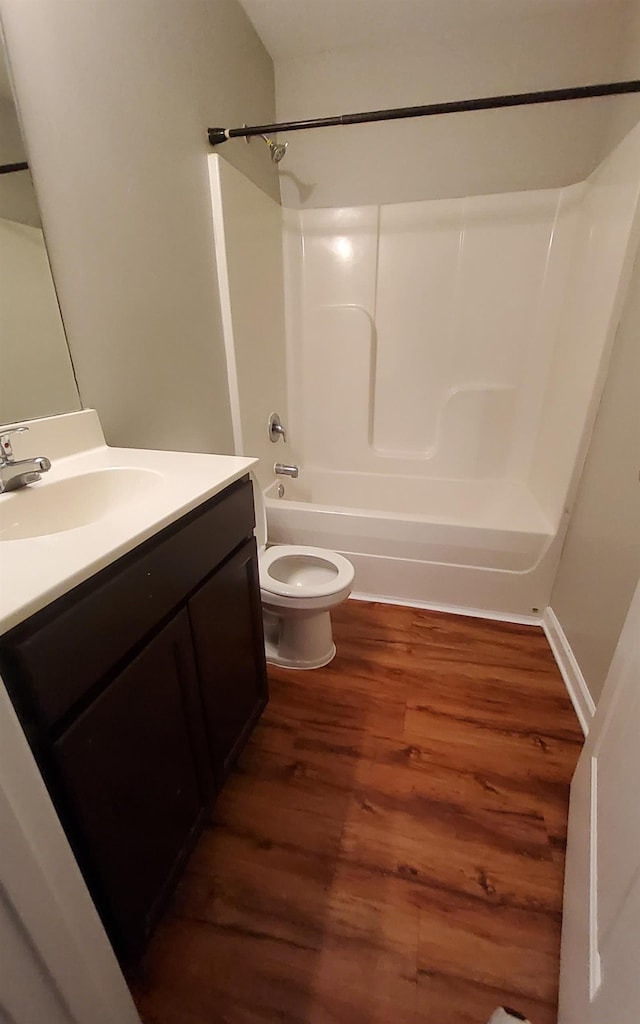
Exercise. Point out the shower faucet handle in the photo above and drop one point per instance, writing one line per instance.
(276, 430)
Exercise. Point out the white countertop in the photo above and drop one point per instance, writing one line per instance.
(36, 570)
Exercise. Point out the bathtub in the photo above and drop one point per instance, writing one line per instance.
(480, 546)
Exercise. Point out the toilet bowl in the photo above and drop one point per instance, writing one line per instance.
(298, 587)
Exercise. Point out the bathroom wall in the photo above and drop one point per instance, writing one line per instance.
(526, 46)
(625, 110)
(600, 563)
(115, 98)
(459, 338)
(248, 231)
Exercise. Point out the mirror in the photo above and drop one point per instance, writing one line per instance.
(36, 377)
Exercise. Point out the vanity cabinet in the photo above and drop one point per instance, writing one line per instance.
(137, 691)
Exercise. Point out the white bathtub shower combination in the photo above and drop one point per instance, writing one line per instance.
(489, 524)
(443, 366)
(462, 541)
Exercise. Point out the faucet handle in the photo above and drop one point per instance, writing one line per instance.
(6, 449)
(276, 429)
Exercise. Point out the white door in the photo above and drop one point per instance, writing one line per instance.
(28, 993)
(56, 964)
(600, 962)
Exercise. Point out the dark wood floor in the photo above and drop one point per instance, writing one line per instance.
(391, 846)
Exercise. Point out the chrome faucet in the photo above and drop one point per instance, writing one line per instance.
(276, 429)
(280, 469)
(15, 474)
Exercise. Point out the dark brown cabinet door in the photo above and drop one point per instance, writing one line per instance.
(226, 622)
(130, 786)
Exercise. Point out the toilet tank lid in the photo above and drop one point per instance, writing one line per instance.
(261, 514)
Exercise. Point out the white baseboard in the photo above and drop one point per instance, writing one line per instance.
(569, 669)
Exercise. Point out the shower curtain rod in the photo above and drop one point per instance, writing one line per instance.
(10, 168)
(522, 99)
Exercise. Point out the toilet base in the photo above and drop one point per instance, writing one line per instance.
(273, 658)
(299, 639)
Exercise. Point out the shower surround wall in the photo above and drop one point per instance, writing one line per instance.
(444, 364)
(427, 330)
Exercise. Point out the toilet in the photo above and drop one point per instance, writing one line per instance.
(298, 587)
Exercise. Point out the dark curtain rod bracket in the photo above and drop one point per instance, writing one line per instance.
(11, 168)
(523, 99)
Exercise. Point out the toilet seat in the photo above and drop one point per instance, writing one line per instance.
(311, 572)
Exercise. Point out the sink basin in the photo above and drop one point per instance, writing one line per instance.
(54, 507)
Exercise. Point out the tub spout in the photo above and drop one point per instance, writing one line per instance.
(280, 469)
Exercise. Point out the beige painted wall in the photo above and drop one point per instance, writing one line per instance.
(625, 110)
(115, 97)
(535, 46)
(600, 563)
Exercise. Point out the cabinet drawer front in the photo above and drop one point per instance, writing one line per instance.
(63, 651)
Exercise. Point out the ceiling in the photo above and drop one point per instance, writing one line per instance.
(297, 28)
